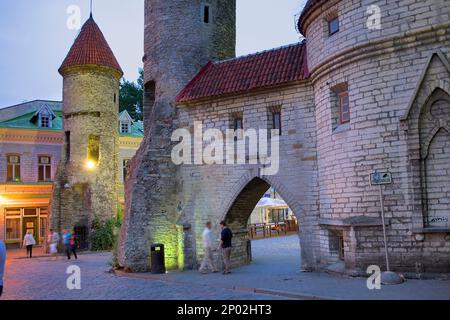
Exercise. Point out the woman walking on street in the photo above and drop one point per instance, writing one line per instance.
(29, 242)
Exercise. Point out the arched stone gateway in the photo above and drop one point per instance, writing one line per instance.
(347, 104)
(237, 216)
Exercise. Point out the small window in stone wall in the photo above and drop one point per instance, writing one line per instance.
(275, 119)
(67, 145)
(93, 152)
(333, 26)
(238, 126)
(206, 13)
(336, 243)
(340, 107)
(344, 107)
(331, 23)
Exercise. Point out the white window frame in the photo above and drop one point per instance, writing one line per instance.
(44, 114)
(45, 165)
(14, 164)
(128, 127)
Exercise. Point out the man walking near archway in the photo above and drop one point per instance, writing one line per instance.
(226, 246)
(208, 260)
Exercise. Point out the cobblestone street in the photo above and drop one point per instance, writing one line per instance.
(274, 274)
(45, 279)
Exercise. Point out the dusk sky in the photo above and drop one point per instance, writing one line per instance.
(34, 38)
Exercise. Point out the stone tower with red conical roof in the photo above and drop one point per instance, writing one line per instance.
(86, 182)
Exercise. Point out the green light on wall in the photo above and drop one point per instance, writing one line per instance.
(171, 236)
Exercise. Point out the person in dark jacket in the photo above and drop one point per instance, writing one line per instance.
(73, 245)
(226, 246)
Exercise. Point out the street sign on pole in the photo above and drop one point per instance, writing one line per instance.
(381, 179)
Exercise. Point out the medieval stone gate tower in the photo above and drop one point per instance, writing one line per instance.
(180, 38)
(86, 181)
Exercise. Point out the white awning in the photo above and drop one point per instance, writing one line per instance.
(271, 203)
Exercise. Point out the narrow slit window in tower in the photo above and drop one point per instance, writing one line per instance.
(67, 146)
(206, 14)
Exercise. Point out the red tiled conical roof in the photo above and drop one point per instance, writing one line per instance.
(90, 48)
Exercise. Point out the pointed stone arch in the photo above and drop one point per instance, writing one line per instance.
(436, 177)
(423, 122)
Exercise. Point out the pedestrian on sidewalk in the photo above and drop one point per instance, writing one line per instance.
(66, 240)
(54, 240)
(2, 264)
(226, 246)
(29, 242)
(208, 261)
(73, 245)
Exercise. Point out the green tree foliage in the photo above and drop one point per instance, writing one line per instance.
(105, 233)
(131, 96)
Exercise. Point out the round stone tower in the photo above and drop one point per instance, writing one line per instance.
(180, 38)
(377, 67)
(86, 181)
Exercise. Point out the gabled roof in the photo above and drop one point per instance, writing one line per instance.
(240, 75)
(44, 108)
(90, 48)
(125, 116)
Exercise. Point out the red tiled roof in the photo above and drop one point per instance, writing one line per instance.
(246, 73)
(307, 9)
(90, 48)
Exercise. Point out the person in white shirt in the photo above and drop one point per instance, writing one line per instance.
(208, 263)
(29, 242)
(53, 242)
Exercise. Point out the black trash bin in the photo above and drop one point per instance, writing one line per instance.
(157, 259)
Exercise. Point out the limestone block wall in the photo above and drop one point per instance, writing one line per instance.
(383, 77)
(216, 192)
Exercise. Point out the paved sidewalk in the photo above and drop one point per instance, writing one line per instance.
(275, 270)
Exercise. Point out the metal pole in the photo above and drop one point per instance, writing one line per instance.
(384, 229)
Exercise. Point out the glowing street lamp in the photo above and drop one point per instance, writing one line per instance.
(90, 165)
